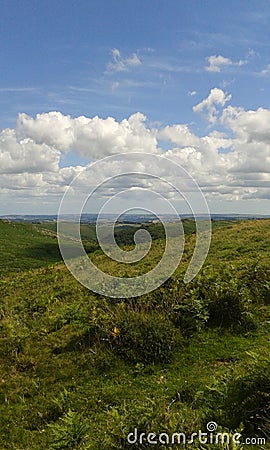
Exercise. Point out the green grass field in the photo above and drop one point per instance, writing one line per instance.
(81, 371)
(26, 246)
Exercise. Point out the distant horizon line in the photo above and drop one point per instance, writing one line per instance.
(3, 216)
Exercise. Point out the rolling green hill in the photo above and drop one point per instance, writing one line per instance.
(81, 371)
(23, 246)
(124, 233)
(26, 246)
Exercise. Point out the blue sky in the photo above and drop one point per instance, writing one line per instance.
(118, 58)
(55, 55)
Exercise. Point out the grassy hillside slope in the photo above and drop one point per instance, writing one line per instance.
(81, 371)
(24, 246)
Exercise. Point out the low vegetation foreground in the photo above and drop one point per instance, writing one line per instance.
(82, 371)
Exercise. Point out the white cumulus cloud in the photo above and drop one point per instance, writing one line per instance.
(26, 155)
(92, 138)
(208, 106)
(218, 62)
(52, 128)
(231, 164)
(178, 134)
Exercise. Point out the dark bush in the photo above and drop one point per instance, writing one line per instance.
(229, 306)
(145, 337)
(211, 301)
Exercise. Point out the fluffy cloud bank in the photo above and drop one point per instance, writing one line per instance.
(26, 155)
(231, 162)
(92, 138)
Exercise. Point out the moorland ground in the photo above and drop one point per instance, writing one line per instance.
(81, 371)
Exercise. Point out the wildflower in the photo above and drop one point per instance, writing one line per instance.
(115, 332)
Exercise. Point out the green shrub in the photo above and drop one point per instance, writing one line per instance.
(256, 276)
(69, 432)
(248, 402)
(191, 313)
(216, 302)
(229, 306)
(145, 337)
